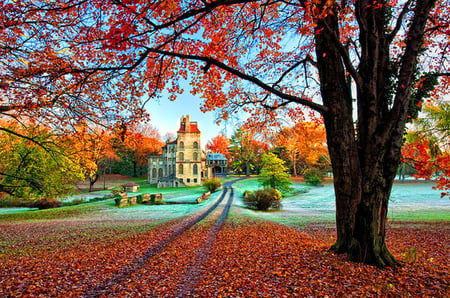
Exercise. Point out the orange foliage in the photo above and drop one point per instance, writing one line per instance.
(219, 144)
(427, 166)
(142, 141)
(305, 142)
(91, 146)
(248, 258)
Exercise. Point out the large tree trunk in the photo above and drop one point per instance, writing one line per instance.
(365, 157)
(340, 130)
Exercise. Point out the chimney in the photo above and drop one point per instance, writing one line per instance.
(187, 123)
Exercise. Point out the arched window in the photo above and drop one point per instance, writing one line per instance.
(181, 145)
(195, 170)
(181, 156)
(160, 172)
(154, 173)
(180, 169)
(195, 145)
(195, 156)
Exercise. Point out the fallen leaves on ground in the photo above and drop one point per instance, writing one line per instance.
(247, 257)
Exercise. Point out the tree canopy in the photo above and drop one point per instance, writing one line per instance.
(37, 164)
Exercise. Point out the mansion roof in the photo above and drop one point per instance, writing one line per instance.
(193, 127)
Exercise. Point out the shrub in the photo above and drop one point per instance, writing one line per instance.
(212, 184)
(263, 199)
(313, 177)
(47, 203)
(139, 199)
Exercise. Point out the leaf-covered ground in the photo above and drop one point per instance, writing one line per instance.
(244, 257)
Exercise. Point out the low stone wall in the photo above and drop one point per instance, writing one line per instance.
(203, 197)
(156, 198)
(123, 200)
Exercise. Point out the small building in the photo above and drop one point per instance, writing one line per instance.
(131, 187)
(218, 163)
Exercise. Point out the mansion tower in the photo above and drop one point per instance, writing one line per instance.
(182, 163)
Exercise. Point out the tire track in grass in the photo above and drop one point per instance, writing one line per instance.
(195, 270)
(102, 288)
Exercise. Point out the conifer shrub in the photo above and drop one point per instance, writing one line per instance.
(212, 184)
(263, 199)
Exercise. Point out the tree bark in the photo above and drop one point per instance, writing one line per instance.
(340, 131)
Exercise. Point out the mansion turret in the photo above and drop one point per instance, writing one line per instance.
(182, 163)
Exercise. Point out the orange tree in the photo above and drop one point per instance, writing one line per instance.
(304, 145)
(133, 144)
(219, 144)
(252, 55)
(92, 147)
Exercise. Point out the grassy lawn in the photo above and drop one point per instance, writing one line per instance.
(409, 202)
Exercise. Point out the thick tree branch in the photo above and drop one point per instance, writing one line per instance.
(208, 60)
(413, 44)
(345, 56)
(208, 7)
(41, 144)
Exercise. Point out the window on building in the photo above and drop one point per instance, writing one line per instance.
(153, 173)
(181, 156)
(180, 169)
(188, 180)
(195, 145)
(181, 145)
(195, 156)
(195, 180)
(160, 172)
(195, 170)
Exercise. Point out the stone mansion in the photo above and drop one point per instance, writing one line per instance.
(183, 162)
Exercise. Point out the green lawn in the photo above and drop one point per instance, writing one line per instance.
(409, 202)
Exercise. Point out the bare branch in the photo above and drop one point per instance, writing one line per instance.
(295, 65)
(398, 25)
